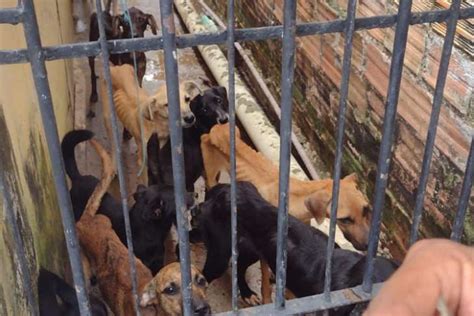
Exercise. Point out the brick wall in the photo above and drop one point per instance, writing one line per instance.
(316, 93)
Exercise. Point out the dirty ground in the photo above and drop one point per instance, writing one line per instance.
(190, 68)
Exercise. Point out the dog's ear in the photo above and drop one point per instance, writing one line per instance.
(317, 203)
(148, 296)
(205, 81)
(140, 192)
(351, 178)
(192, 89)
(116, 26)
(152, 22)
(222, 91)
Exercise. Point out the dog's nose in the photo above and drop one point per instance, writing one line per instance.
(223, 119)
(189, 119)
(202, 309)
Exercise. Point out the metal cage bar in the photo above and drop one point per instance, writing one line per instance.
(176, 136)
(346, 71)
(437, 100)
(396, 69)
(233, 177)
(11, 15)
(241, 35)
(118, 154)
(466, 193)
(40, 77)
(287, 77)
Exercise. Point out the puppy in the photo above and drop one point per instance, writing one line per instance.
(117, 27)
(151, 216)
(51, 287)
(164, 291)
(106, 253)
(306, 198)
(136, 109)
(257, 231)
(209, 108)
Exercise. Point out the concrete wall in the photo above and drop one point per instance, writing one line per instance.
(316, 92)
(24, 155)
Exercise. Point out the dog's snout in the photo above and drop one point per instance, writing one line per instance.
(202, 308)
(223, 119)
(189, 118)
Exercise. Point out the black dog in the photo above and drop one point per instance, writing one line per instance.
(257, 231)
(209, 109)
(51, 287)
(151, 216)
(118, 27)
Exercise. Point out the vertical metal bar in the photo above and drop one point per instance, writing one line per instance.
(287, 76)
(118, 154)
(19, 246)
(346, 72)
(40, 77)
(233, 189)
(176, 136)
(466, 193)
(437, 99)
(396, 69)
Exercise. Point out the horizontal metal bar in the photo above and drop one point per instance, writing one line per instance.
(241, 35)
(11, 16)
(313, 303)
(466, 193)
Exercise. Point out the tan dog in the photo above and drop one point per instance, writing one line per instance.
(164, 291)
(106, 253)
(133, 104)
(306, 198)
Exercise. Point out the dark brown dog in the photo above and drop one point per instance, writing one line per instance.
(118, 27)
(106, 253)
(164, 291)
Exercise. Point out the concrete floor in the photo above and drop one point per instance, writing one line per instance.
(190, 68)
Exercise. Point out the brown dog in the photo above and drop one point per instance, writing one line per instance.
(306, 198)
(133, 104)
(109, 259)
(164, 291)
(106, 253)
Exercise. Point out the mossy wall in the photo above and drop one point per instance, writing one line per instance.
(24, 157)
(316, 96)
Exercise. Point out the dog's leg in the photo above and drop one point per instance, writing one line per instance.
(93, 96)
(266, 287)
(247, 257)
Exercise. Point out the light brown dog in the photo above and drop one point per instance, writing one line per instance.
(106, 253)
(164, 291)
(136, 109)
(306, 198)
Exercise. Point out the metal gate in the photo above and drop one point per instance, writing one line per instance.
(37, 55)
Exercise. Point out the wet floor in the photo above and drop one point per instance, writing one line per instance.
(190, 67)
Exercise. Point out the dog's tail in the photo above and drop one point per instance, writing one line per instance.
(108, 173)
(67, 146)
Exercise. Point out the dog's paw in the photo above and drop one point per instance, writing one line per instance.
(90, 114)
(252, 300)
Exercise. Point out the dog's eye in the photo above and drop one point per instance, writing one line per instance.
(201, 281)
(345, 220)
(172, 289)
(204, 109)
(187, 99)
(218, 100)
(166, 105)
